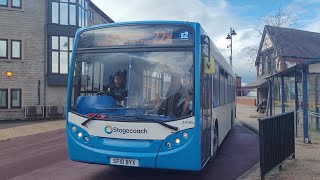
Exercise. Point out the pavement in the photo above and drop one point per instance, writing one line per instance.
(17, 129)
(306, 166)
(4, 124)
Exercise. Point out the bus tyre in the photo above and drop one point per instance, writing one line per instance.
(215, 142)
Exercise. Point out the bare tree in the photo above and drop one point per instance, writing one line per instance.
(280, 18)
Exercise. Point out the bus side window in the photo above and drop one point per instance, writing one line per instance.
(222, 86)
(216, 87)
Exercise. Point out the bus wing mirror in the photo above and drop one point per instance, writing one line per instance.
(209, 65)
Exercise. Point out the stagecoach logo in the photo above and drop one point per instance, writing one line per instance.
(109, 130)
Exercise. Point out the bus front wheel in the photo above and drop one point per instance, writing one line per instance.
(215, 142)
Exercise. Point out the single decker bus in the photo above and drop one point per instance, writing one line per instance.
(152, 94)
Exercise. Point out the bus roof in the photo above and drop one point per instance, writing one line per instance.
(142, 23)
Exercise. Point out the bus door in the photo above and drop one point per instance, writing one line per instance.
(206, 103)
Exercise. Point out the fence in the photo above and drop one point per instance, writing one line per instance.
(313, 119)
(276, 138)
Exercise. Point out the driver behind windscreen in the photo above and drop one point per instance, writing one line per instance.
(117, 89)
(173, 95)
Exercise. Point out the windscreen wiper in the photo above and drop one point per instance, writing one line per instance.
(90, 118)
(156, 121)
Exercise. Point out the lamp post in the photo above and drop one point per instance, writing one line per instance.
(230, 34)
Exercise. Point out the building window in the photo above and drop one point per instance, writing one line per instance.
(16, 49)
(3, 98)
(64, 13)
(91, 15)
(4, 48)
(15, 98)
(55, 12)
(16, 4)
(83, 13)
(61, 54)
(103, 21)
(4, 3)
(73, 14)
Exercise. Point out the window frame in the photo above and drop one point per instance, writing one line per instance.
(16, 7)
(61, 17)
(69, 13)
(11, 50)
(20, 99)
(5, 107)
(7, 49)
(5, 5)
(59, 50)
(68, 3)
(83, 11)
(91, 15)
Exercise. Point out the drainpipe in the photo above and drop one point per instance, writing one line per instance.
(45, 52)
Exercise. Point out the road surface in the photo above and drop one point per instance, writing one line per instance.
(44, 156)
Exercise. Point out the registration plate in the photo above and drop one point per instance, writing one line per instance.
(124, 162)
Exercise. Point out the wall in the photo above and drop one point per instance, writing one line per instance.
(246, 100)
(97, 18)
(28, 25)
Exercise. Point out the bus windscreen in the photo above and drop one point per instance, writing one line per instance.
(137, 35)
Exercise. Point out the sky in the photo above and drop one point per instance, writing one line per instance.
(217, 17)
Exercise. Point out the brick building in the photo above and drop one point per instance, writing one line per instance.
(36, 38)
(239, 91)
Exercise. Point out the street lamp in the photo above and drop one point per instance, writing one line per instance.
(232, 33)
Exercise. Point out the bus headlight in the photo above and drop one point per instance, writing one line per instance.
(74, 129)
(177, 141)
(80, 134)
(185, 135)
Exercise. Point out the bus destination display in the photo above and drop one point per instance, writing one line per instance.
(156, 35)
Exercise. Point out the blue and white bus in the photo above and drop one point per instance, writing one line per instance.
(173, 107)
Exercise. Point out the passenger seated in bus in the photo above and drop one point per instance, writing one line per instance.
(173, 95)
(157, 101)
(186, 105)
(176, 86)
(117, 89)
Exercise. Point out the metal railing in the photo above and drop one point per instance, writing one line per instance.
(310, 113)
(276, 138)
(313, 119)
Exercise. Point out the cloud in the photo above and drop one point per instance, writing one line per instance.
(313, 26)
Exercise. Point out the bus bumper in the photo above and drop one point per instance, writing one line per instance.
(185, 157)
